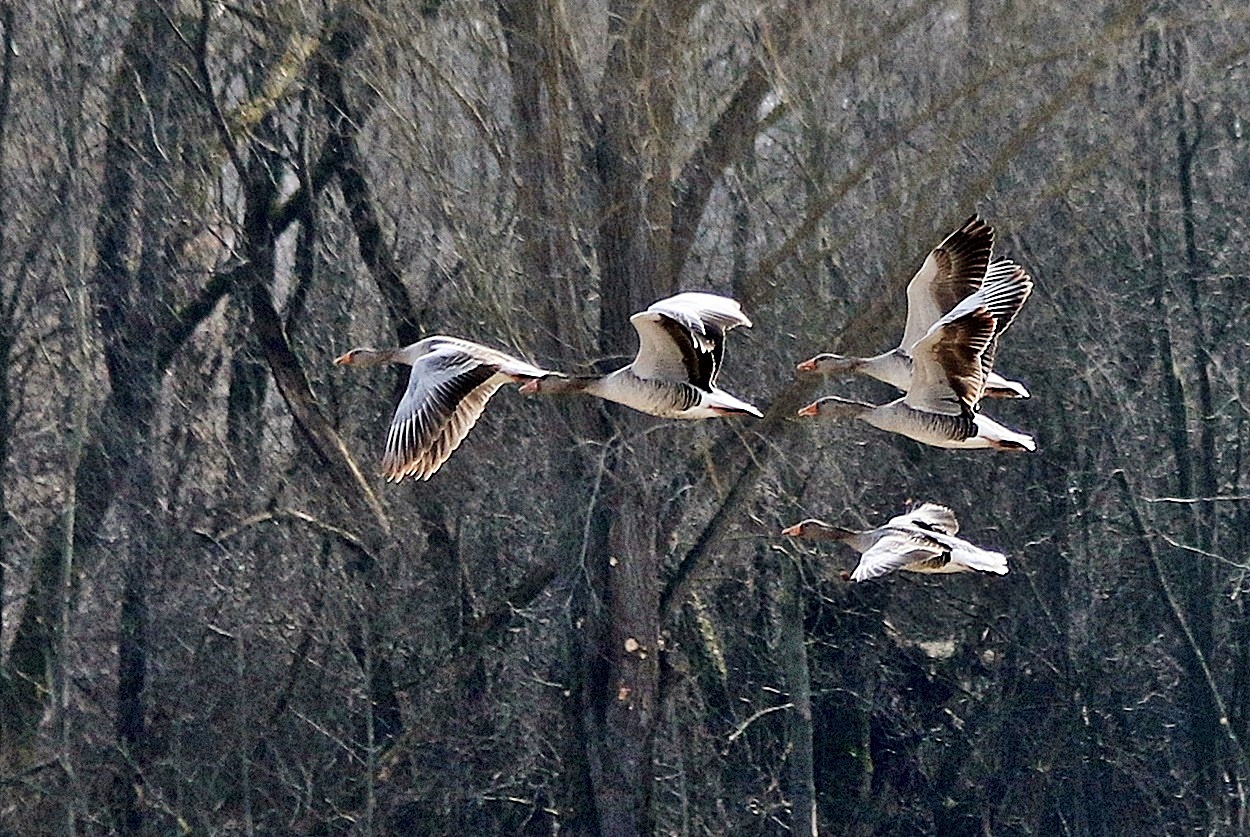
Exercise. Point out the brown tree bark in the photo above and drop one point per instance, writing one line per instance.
(144, 325)
(792, 648)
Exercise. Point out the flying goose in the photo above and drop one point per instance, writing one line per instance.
(949, 367)
(681, 342)
(920, 541)
(450, 383)
(952, 271)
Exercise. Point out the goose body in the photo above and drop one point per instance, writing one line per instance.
(450, 383)
(923, 540)
(949, 369)
(681, 343)
(954, 270)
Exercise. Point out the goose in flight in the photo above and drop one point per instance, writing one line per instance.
(450, 383)
(920, 541)
(949, 368)
(681, 342)
(955, 269)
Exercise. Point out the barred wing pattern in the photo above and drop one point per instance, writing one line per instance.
(952, 270)
(447, 391)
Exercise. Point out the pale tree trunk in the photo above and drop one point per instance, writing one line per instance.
(644, 227)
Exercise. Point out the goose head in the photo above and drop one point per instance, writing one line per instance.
(365, 356)
(817, 530)
(830, 364)
(834, 407)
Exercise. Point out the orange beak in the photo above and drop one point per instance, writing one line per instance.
(810, 411)
(342, 360)
(807, 366)
(793, 531)
(529, 387)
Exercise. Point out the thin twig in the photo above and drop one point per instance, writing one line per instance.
(742, 727)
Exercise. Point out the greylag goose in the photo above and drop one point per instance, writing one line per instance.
(450, 383)
(681, 342)
(949, 367)
(953, 270)
(920, 541)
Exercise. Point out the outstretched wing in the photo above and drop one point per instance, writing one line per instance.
(947, 376)
(895, 549)
(1007, 287)
(930, 516)
(952, 270)
(447, 391)
(682, 338)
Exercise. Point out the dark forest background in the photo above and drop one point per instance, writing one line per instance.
(218, 619)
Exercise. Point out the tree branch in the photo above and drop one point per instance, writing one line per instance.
(345, 123)
(349, 539)
(1179, 620)
(200, 51)
(289, 376)
(777, 425)
(484, 630)
(757, 283)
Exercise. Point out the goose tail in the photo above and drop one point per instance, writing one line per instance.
(723, 404)
(982, 560)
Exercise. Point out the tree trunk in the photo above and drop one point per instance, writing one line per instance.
(626, 701)
(792, 648)
(1163, 65)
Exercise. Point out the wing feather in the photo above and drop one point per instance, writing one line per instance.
(1007, 287)
(947, 376)
(931, 516)
(952, 270)
(448, 389)
(972, 556)
(894, 550)
(682, 338)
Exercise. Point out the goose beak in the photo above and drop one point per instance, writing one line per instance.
(529, 387)
(807, 365)
(810, 411)
(793, 531)
(343, 360)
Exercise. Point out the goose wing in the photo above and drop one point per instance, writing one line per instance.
(895, 549)
(1007, 287)
(952, 270)
(947, 376)
(971, 556)
(447, 391)
(682, 338)
(930, 516)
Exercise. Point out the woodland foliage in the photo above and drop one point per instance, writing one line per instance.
(216, 617)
